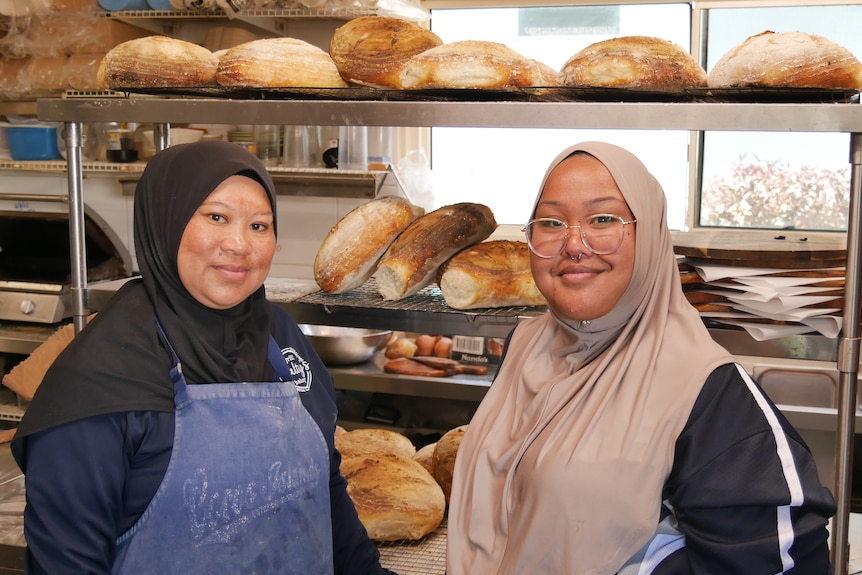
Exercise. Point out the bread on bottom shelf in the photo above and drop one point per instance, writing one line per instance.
(395, 497)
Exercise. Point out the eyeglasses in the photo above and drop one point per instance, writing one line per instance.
(601, 234)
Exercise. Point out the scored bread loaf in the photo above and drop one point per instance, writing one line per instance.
(372, 50)
(640, 62)
(395, 497)
(474, 64)
(157, 62)
(277, 63)
(494, 273)
(443, 459)
(787, 59)
(350, 251)
(412, 260)
(370, 441)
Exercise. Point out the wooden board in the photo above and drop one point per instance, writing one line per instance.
(775, 249)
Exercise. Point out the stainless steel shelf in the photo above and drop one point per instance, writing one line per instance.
(615, 115)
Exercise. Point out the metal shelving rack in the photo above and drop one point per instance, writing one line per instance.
(690, 116)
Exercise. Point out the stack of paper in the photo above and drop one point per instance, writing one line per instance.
(767, 302)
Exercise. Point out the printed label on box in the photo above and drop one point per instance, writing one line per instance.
(478, 350)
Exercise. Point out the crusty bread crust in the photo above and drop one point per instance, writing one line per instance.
(787, 59)
(277, 63)
(412, 260)
(474, 64)
(372, 50)
(640, 62)
(349, 253)
(443, 459)
(157, 62)
(373, 441)
(490, 274)
(395, 497)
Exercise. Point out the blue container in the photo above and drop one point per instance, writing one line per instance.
(33, 143)
(122, 5)
(160, 4)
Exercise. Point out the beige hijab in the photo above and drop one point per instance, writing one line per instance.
(562, 467)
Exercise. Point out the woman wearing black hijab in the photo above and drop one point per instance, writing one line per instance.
(189, 427)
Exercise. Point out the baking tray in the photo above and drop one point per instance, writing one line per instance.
(424, 557)
(530, 94)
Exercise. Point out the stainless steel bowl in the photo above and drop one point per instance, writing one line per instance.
(345, 345)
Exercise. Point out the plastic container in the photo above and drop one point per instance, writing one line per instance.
(33, 142)
(267, 140)
(123, 5)
(297, 147)
(353, 148)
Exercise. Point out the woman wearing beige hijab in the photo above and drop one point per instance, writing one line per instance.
(618, 437)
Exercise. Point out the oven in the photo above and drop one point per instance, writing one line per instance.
(36, 270)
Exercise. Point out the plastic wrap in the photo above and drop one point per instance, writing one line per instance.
(82, 71)
(14, 80)
(47, 73)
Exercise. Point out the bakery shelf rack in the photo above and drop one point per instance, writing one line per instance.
(685, 115)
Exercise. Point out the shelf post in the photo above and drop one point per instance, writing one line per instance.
(77, 235)
(848, 366)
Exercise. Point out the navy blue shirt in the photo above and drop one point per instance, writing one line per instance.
(90, 480)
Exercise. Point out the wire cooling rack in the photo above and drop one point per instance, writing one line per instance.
(424, 557)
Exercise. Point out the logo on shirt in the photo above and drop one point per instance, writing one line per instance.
(300, 370)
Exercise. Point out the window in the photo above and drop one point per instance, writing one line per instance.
(503, 168)
(757, 180)
(777, 180)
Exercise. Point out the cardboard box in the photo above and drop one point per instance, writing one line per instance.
(477, 350)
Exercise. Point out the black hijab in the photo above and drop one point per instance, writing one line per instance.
(119, 362)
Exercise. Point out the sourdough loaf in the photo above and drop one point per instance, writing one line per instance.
(412, 260)
(787, 59)
(395, 497)
(350, 251)
(372, 50)
(157, 62)
(474, 64)
(373, 441)
(425, 457)
(277, 63)
(640, 62)
(490, 274)
(443, 459)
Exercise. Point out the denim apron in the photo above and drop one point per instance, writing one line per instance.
(246, 491)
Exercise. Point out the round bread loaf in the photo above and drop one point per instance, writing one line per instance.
(350, 251)
(474, 64)
(494, 273)
(157, 62)
(641, 62)
(361, 442)
(395, 497)
(787, 59)
(425, 457)
(277, 63)
(443, 460)
(372, 50)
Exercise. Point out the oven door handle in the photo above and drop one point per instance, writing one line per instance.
(33, 198)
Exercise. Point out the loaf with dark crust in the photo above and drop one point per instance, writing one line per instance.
(490, 274)
(412, 260)
(637, 62)
(787, 59)
(349, 253)
(372, 50)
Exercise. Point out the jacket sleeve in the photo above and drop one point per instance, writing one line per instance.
(354, 553)
(744, 490)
